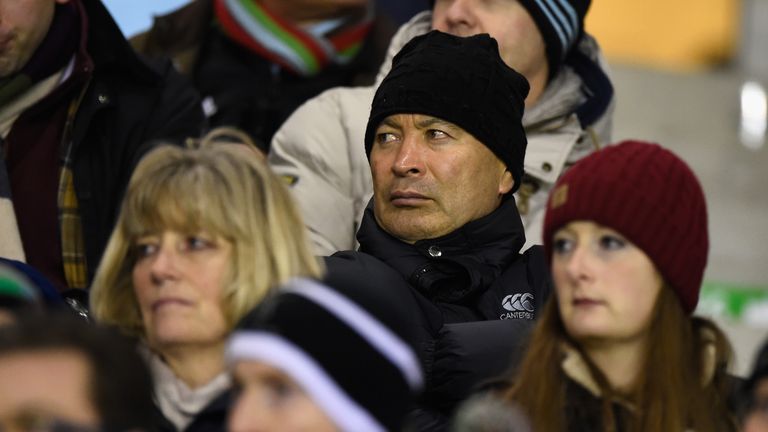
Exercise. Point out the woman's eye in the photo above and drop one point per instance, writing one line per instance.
(143, 250)
(562, 246)
(610, 242)
(197, 243)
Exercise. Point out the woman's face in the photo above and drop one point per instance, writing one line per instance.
(179, 283)
(606, 287)
(270, 400)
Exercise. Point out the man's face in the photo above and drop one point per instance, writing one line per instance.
(431, 177)
(23, 25)
(520, 43)
(45, 388)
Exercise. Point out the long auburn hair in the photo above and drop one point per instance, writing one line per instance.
(672, 392)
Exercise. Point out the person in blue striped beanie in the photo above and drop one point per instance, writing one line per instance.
(561, 23)
(539, 55)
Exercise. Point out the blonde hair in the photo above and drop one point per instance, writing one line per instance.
(219, 190)
(226, 135)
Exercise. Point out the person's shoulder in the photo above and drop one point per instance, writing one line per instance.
(325, 120)
(532, 268)
(339, 100)
(535, 256)
(532, 259)
(358, 264)
(375, 286)
(359, 269)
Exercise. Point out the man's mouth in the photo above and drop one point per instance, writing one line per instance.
(407, 198)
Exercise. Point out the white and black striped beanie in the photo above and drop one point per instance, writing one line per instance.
(350, 356)
(561, 23)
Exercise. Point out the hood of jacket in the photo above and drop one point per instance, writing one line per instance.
(456, 266)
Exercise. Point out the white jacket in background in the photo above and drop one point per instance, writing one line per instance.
(320, 149)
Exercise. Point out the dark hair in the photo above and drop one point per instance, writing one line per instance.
(120, 381)
(668, 392)
(759, 373)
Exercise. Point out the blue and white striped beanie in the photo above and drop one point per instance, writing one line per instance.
(348, 351)
(561, 23)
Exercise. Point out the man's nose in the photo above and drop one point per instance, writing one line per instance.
(409, 160)
(457, 18)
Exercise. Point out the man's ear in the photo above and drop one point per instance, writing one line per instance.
(506, 183)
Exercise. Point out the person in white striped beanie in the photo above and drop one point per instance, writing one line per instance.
(316, 359)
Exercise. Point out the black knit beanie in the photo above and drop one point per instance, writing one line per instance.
(561, 24)
(349, 355)
(460, 80)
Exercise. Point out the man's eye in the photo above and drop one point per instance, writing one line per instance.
(610, 242)
(385, 137)
(436, 134)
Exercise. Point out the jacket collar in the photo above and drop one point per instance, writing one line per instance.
(452, 267)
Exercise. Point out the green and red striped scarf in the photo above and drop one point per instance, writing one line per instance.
(304, 51)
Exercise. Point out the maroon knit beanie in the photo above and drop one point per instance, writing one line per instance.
(651, 197)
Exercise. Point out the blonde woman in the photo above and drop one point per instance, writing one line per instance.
(203, 236)
(617, 348)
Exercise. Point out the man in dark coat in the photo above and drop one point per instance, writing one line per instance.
(446, 146)
(255, 61)
(78, 109)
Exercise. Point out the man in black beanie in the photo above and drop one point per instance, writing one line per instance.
(568, 113)
(446, 148)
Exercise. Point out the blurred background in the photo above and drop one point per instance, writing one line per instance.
(691, 75)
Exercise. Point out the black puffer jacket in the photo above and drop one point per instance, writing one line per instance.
(472, 298)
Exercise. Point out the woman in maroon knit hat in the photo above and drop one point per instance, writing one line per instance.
(617, 348)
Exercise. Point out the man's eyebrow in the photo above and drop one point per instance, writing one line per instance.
(434, 121)
(390, 122)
